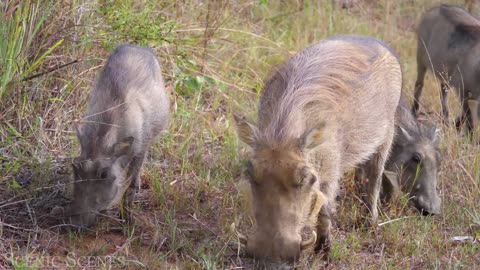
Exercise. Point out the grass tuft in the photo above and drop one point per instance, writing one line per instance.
(215, 56)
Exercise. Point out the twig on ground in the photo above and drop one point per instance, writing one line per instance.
(13, 203)
(51, 70)
(393, 220)
(16, 228)
(203, 224)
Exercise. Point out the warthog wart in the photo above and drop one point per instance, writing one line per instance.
(128, 108)
(413, 164)
(322, 112)
(448, 42)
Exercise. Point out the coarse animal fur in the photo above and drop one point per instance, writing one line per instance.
(413, 164)
(448, 43)
(128, 108)
(322, 112)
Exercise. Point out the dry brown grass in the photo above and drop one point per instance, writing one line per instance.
(190, 198)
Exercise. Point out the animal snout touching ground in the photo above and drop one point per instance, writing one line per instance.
(277, 244)
(225, 134)
(301, 144)
(427, 204)
(284, 199)
(128, 108)
(414, 162)
(262, 245)
(80, 219)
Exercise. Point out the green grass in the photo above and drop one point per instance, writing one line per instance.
(191, 193)
(19, 56)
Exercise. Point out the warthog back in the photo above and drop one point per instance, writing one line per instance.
(448, 42)
(128, 108)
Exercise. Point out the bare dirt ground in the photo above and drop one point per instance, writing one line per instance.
(191, 199)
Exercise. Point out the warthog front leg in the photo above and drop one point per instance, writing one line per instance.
(330, 188)
(474, 113)
(135, 170)
(374, 175)
(324, 225)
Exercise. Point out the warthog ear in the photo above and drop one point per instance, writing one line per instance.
(124, 147)
(422, 117)
(390, 184)
(245, 130)
(313, 137)
(433, 134)
(392, 177)
(406, 134)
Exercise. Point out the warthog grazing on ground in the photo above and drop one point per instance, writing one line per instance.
(449, 43)
(327, 109)
(128, 107)
(413, 163)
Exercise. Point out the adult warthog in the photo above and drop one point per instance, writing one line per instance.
(413, 164)
(128, 108)
(325, 110)
(448, 42)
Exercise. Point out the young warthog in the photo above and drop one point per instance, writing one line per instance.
(327, 109)
(128, 107)
(413, 163)
(448, 43)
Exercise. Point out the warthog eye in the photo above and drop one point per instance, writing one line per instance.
(103, 173)
(309, 180)
(306, 177)
(313, 180)
(417, 157)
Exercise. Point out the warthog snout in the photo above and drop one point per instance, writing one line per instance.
(98, 184)
(267, 245)
(428, 204)
(287, 247)
(285, 196)
(82, 219)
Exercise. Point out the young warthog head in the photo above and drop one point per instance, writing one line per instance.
(285, 193)
(99, 182)
(415, 159)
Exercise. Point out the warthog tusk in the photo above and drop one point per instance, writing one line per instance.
(242, 238)
(309, 242)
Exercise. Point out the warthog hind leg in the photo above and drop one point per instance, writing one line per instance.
(466, 118)
(444, 91)
(418, 86)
